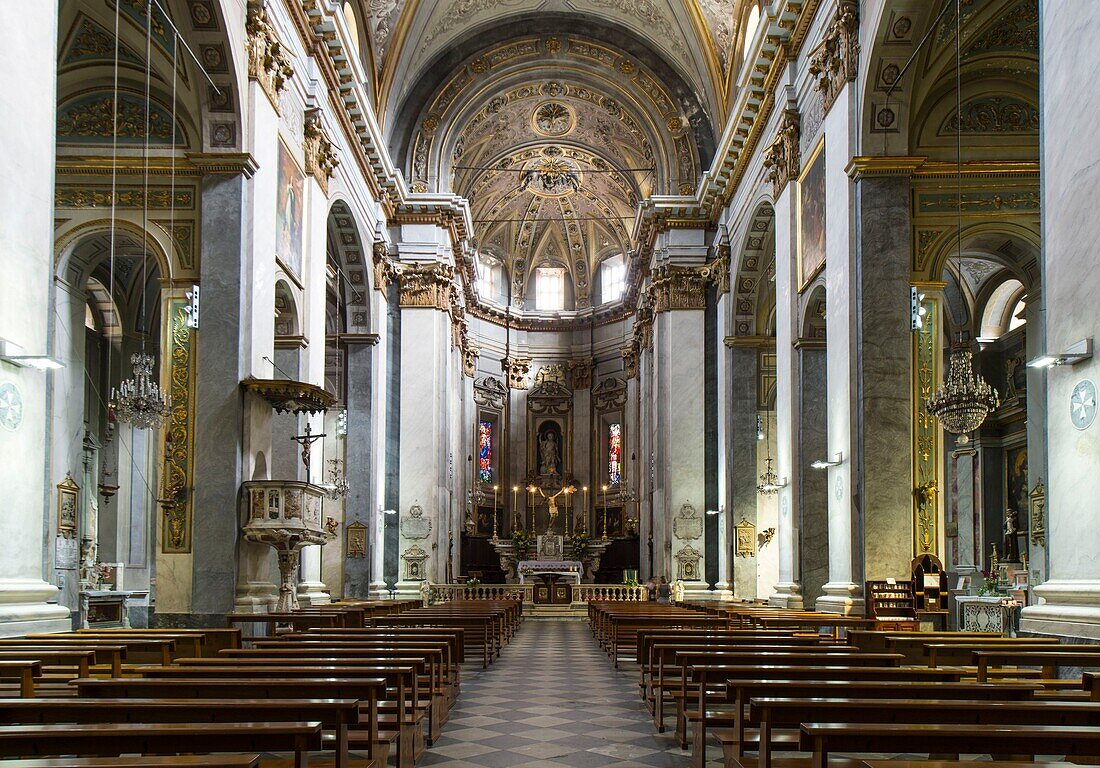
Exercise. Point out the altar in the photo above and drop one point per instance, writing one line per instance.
(571, 569)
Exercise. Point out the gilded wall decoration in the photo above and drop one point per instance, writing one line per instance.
(834, 62)
(385, 272)
(91, 42)
(630, 360)
(427, 286)
(580, 370)
(1015, 30)
(160, 197)
(183, 239)
(674, 287)
(553, 118)
(783, 157)
(745, 545)
(927, 356)
(90, 119)
(982, 202)
(993, 115)
(516, 370)
(1037, 503)
(268, 64)
(179, 434)
(609, 394)
(320, 155)
(136, 12)
(355, 540)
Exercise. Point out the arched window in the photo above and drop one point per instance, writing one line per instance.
(1004, 310)
(612, 279)
(752, 21)
(549, 289)
(352, 22)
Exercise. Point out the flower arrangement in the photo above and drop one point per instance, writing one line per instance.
(521, 542)
(989, 584)
(631, 582)
(473, 582)
(100, 573)
(578, 543)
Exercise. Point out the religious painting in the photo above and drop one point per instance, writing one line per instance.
(548, 449)
(811, 217)
(615, 453)
(67, 496)
(484, 525)
(1017, 501)
(485, 452)
(290, 204)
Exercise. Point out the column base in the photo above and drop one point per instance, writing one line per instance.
(845, 598)
(699, 591)
(787, 595)
(409, 590)
(256, 597)
(24, 608)
(1069, 609)
(313, 593)
(722, 591)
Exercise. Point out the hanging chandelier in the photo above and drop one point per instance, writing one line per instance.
(964, 399)
(769, 481)
(338, 486)
(139, 400)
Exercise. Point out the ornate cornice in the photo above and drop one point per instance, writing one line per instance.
(920, 167)
(285, 395)
(860, 167)
(834, 62)
(426, 286)
(749, 342)
(783, 158)
(191, 165)
(321, 160)
(267, 63)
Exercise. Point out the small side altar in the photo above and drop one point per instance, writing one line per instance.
(568, 568)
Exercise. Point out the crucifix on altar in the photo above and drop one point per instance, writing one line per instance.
(551, 501)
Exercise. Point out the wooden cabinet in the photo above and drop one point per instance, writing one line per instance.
(891, 604)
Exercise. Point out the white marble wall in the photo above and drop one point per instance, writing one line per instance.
(28, 46)
(1070, 179)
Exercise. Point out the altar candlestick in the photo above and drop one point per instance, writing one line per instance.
(605, 513)
(515, 505)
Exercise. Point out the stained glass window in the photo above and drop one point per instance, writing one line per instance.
(615, 453)
(485, 451)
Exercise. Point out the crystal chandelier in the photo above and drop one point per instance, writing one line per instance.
(964, 399)
(139, 400)
(769, 481)
(338, 486)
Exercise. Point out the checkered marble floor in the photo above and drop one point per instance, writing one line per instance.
(552, 700)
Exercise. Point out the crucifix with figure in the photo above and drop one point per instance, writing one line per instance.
(552, 505)
(306, 441)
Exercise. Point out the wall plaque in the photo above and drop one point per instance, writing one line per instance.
(415, 525)
(688, 525)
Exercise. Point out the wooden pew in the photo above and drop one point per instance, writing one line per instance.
(735, 737)
(139, 647)
(336, 715)
(771, 713)
(825, 738)
(26, 671)
(140, 761)
(368, 691)
(160, 738)
(78, 659)
(108, 656)
(214, 638)
(271, 621)
(1049, 660)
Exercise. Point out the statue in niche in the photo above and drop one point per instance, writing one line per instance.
(1011, 545)
(549, 452)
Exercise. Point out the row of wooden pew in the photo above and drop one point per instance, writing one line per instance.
(757, 688)
(379, 686)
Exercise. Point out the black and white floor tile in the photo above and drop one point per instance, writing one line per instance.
(553, 700)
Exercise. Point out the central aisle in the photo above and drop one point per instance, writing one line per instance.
(552, 701)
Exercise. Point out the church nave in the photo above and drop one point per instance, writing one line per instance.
(552, 700)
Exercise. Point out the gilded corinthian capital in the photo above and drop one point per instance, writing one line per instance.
(321, 160)
(783, 158)
(427, 286)
(835, 60)
(267, 63)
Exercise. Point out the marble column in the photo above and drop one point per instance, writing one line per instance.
(742, 445)
(813, 487)
(361, 504)
(788, 590)
(426, 366)
(27, 102)
(1071, 174)
(679, 398)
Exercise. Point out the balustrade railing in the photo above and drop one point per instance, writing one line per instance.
(586, 593)
(433, 594)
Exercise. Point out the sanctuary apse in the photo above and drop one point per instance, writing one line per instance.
(433, 292)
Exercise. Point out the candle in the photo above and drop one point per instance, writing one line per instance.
(515, 503)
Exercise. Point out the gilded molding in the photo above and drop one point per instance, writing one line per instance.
(179, 435)
(835, 60)
(630, 360)
(267, 63)
(927, 450)
(783, 158)
(581, 371)
(516, 370)
(385, 272)
(426, 286)
(321, 160)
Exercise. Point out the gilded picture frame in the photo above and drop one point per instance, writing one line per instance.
(812, 224)
(68, 497)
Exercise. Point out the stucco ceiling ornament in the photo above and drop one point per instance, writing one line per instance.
(553, 118)
(552, 177)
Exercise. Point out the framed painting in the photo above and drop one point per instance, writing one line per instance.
(289, 207)
(811, 217)
(67, 497)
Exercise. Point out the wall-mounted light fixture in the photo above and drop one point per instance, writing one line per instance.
(917, 310)
(825, 463)
(10, 352)
(1074, 354)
